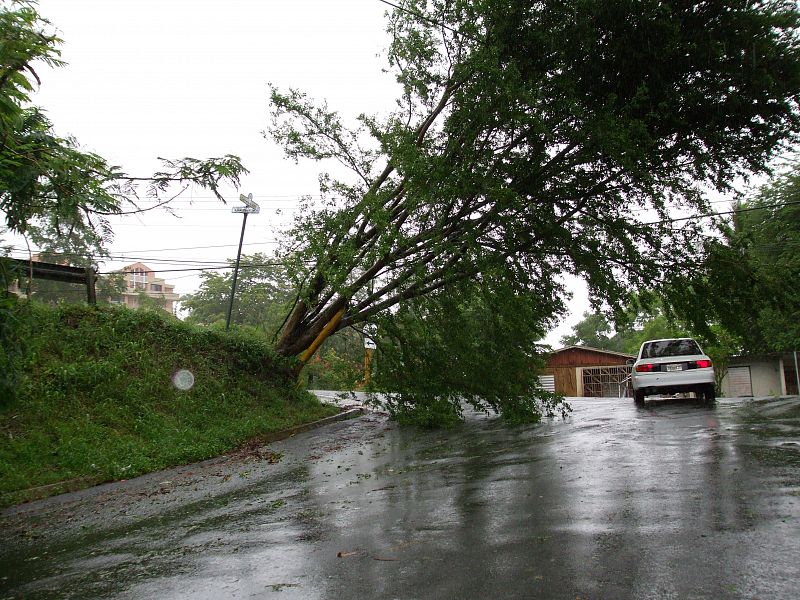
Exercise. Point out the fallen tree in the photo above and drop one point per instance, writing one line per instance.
(532, 140)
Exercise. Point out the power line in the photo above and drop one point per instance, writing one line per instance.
(431, 20)
(121, 252)
(183, 270)
(262, 197)
(169, 260)
(212, 265)
(727, 212)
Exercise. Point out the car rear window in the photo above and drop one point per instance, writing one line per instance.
(665, 348)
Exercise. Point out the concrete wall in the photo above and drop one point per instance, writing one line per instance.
(766, 376)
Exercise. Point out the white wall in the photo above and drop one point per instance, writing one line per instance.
(766, 376)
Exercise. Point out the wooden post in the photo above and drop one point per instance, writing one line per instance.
(367, 365)
(91, 290)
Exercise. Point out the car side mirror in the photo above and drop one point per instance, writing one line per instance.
(629, 362)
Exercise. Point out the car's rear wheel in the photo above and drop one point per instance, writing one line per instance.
(638, 397)
(709, 394)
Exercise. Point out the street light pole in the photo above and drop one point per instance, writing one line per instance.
(249, 207)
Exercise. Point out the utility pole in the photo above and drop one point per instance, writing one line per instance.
(249, 207)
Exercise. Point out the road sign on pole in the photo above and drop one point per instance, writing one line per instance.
(249, 207)
(370, 333)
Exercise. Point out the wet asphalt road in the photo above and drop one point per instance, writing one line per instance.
(673, 500)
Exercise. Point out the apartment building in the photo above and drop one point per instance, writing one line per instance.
(141, 281)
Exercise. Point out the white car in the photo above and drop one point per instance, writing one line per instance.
(672, 366)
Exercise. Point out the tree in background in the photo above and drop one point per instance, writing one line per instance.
(650, 322)
(644, 319)
(529, 139)
(51, 190)
(749, 282)
(264, 295)
(743, 299)
(594, 331)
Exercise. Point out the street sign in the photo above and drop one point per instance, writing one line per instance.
(249, 207)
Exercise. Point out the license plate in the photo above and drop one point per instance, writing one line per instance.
(674, 367)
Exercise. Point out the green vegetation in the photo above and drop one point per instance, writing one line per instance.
(749, 281)
(531, 139)
(740, 299)
(630, 328)
(626, 331)
(96, 400)
(441, 351)
(264, 294)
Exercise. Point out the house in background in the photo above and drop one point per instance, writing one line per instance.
(584, 371)
(760, 375)
(140, 279)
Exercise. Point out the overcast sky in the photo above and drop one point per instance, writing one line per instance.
(175, 78)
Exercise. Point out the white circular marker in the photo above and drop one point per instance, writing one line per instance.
(183, 380)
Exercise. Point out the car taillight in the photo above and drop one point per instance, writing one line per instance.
(703, 364)
(644, 368)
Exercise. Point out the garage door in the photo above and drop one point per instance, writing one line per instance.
(739, 382)
(606, 382)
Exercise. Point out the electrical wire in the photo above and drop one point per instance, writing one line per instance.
(728, 212)
(431, 20)
(201, 265)
(183, 270)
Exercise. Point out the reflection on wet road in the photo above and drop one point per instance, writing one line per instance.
(674, 500)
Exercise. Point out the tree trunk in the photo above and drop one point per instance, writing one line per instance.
(298, 336)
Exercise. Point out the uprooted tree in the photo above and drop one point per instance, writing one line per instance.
(532, 140)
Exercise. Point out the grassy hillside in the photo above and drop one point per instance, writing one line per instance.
(97, 397)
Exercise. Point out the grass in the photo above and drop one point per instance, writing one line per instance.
(95, 400)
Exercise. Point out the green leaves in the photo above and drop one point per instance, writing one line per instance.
(264, 294)
(472, 343)
(533, 139)
(97, 397)
(751, 273)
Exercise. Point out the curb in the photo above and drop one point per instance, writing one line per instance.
(286, 433)
(72, 491)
